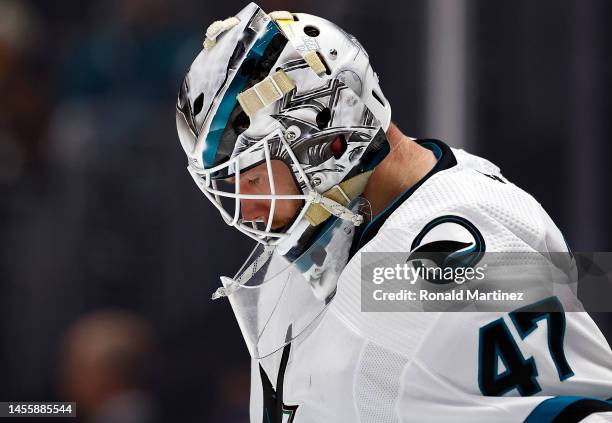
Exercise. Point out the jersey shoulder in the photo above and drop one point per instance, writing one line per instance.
(473, 199)
(469, 203)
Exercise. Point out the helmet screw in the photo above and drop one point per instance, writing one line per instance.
(333, 53)
(291, 133)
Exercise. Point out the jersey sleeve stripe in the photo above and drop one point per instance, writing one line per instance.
(566, 409)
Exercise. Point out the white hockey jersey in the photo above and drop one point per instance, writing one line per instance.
(355, 366)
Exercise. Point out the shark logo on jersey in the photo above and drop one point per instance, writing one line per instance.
(448, 241)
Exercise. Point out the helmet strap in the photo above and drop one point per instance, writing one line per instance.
(341, 194)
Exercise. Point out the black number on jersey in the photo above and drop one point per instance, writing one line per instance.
(497, 344)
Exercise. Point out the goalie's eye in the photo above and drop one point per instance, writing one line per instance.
(254, 180)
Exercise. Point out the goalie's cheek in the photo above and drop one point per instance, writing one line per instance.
(284, 212)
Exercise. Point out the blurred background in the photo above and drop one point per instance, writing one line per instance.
(109, 253)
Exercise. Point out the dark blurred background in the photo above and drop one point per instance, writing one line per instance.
(103, 232)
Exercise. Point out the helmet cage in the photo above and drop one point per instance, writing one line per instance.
(207, 181)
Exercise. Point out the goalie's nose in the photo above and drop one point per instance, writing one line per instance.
(253, 210)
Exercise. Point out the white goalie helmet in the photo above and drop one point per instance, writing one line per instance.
(294, 88)
(282, 86)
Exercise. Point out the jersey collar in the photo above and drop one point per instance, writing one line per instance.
(445, 160)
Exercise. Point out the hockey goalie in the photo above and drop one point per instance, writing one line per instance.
(289, 135)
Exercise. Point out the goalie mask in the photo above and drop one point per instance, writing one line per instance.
(297, 89)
